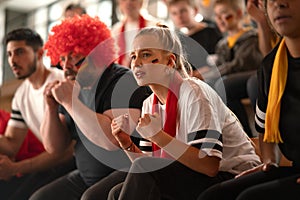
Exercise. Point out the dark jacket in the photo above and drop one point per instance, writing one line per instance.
(243, 56)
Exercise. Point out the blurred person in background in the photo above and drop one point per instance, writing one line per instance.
(74, 9)
(237, 58)
(203, 36)
(132, 20)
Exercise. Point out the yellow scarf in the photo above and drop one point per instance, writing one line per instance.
(277, 86)
(231, 40)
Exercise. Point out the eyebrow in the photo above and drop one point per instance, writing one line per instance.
(142, 50)
(16, 50)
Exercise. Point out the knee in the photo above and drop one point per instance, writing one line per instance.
(95, 192)
(115, 192)
(42, 194)
(210, 193)
(88, 195)
(149, 164)
(247, 195)
(139, 165)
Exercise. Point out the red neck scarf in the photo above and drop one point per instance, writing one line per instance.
(122, 41)
(171, 114)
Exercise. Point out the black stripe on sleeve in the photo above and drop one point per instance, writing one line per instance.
(206, 138)
(205, 134)
(15, 115)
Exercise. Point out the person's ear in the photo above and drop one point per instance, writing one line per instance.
(171, 60)
(196, 10)
(40, 53)
(240, 13)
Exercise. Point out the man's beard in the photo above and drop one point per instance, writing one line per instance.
(31, 69)
(70, 74)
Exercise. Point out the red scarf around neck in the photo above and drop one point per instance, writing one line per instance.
(122, 41)
(171, 115)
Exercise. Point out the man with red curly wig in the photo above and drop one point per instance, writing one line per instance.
(81, 107)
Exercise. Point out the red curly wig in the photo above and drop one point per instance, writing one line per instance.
(81, 35)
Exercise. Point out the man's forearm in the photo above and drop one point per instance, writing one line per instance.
(95, 126)
(55, 134)
(43, 161)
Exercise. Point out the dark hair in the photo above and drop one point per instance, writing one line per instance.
(31, 37)
(73, 6)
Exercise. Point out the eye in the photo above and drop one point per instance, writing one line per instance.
(146, 55)
(132, 57)
(182, 11)
(62, 58)
(19, 52)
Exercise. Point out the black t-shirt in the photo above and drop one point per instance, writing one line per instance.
(116, 88)
(289, 125)
(208, 38)
(198, 46)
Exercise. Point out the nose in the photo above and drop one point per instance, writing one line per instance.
(12, 59)
(67, 62)
(220, 18)
(281, 3)
(135, 63)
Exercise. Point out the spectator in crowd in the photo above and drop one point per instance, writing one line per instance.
(31, 146)
(238, 57)
(74, 9)
(204, 36)
(82, 106)
(131, 21)
(183, 13)
(206, 8)
(276, 111)
(21, 177)
(195, 139)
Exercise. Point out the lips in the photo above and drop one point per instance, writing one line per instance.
(139, 74)
(281, 18)
(15, 69)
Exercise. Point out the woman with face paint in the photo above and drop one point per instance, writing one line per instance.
(191, 139)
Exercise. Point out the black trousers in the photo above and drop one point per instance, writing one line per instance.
(278, 183)
(156, 178)
(72, 187)
(20, 188)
